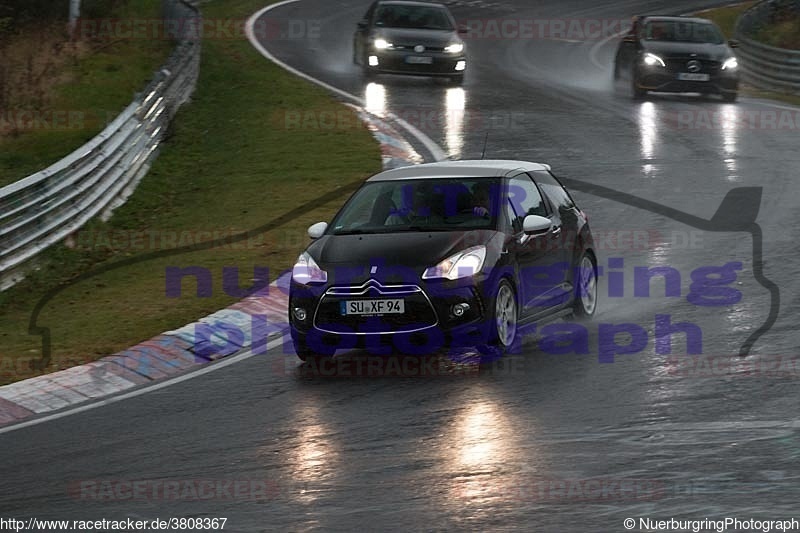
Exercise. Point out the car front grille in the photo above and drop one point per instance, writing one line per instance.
(419, 312)
(679, 64)
(410, 47)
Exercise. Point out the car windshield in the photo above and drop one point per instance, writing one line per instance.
(418, 17)
(449, 204)
(682, 31)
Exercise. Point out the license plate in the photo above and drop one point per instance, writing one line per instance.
(372, 307)
(419, 60)
(688, 76)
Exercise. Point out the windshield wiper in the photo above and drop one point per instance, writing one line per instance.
(351, 232)
(422, 228)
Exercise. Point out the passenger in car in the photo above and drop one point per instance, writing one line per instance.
(480, 200)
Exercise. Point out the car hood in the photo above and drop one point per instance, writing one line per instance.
(413, 37)
(708, 51)
(393, 254)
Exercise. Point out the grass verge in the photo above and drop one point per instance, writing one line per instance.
(79, 87)
(230, 164)
(725, 17)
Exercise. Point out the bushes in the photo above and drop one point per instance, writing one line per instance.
(23, 12)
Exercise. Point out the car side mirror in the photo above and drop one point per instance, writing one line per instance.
(536, 224)
(733, 43)
(362, 24)
(630, 38)
(315, 231)
(462, 30)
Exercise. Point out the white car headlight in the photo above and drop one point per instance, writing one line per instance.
(730, 64)
(652, 59)
(306, 270)
(381, 44)
(461, 265)
(455, 48)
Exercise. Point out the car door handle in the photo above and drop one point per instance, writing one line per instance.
(556, 230)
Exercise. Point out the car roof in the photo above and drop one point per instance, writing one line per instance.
(469, 168)
(657, 18)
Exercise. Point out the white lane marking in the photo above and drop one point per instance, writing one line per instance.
(432, 147)
(146, 389)
(437, 153)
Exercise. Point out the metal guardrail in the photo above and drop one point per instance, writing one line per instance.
(44, 208)
(764, 66)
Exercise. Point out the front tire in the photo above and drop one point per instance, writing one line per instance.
(730, 96)
(503, 326)
(367, 73)
(637, 93)
(585, 287)
(305, 354)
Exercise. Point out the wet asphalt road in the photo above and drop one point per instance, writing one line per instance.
(537, 441)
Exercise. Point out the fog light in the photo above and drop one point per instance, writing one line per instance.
(461, 65)
(299, 313)
(460, 309)
(373, 61)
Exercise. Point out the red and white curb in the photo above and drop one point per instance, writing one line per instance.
(256, 321)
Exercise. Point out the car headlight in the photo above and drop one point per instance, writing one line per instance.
(381, 44)
(730, 64)
(461, 265)
(455, 48)
(306, 270)
(652, 59)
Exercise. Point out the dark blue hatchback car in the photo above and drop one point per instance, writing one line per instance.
(454, 253)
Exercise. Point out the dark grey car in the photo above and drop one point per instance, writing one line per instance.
(403, 37)
(677, 54)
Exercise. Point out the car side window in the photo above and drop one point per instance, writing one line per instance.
(555, 192)
(523, 200)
